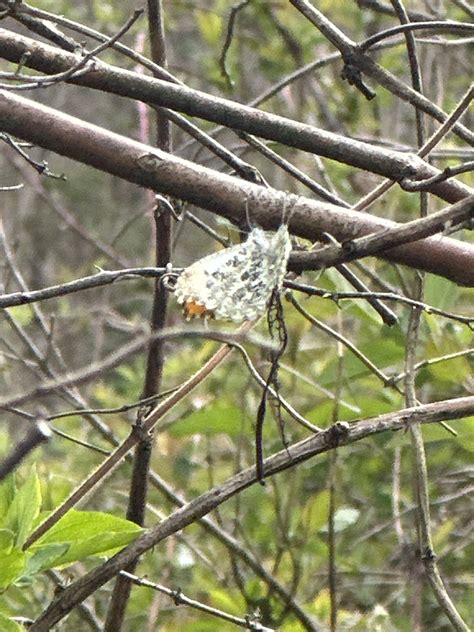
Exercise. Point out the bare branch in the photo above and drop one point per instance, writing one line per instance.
(179, 598)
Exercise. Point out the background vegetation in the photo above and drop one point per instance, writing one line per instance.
(339, 541)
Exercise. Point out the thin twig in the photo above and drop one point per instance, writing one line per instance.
(81, 66)
(228, 40)
(448, 172)
(180, 599)
(386, 381)
(387, 296)
(440, 26)
(117, 358)
(146, 425)
(104, 277)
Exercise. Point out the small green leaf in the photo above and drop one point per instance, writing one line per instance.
(228, 601)
(11, 568)
(210, 26)
(7, 541)
(315, 512)
(44, 558)
(24, 508)
(211, 419)
(440, 292)
(7, 494)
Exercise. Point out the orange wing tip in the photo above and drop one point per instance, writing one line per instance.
(196, 310)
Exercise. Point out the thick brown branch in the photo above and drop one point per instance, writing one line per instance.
(391, 164)
(222, 194)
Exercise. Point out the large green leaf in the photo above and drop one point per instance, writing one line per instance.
(88, 533)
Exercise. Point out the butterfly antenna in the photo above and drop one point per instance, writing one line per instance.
(289, 200)
(250, 224)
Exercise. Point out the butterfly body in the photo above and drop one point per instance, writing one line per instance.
(236, 283)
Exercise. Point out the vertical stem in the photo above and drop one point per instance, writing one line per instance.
(155, 359)
(332, 567)
(425, 541)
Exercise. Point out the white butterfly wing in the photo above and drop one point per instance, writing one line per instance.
(236, 283)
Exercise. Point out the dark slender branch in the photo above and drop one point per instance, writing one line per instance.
(242, 168)
(228, 40)
(293, 171)
(387, 9)
(22, 8)
(155, 356)
(386, 381)
(81, 65)
(146, 426)
(386, 296)
(37, 433)
(104, 277)
(440, 26)
(244, 554)
(41, 28)
(448, 172)
(40, 167)
(56, 203)
(22, 12)
(417, 229)
(115, 359)
(426, 149)
(339, 435)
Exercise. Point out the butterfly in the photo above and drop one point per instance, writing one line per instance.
(236, 283)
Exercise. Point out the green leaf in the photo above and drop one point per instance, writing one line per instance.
(24, 508)
(7, 494)
(211, 419)
(88, 533)
(44, 558)
(229, 601)
(210, 26)
(463, 427)
(321, 605)
(440, 292)
(8, 625)
(315, 512)
(7, 541)
(23, 314)
(11, 568)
